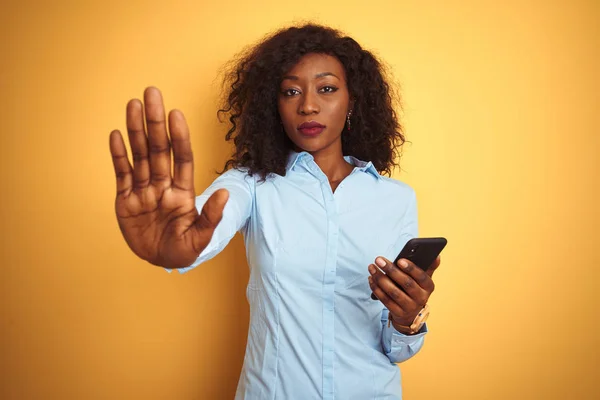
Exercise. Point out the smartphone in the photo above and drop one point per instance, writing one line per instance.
(421, 251)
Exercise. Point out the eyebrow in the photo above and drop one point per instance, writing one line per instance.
(320, 75)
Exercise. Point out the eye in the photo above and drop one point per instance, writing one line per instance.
(328, 89)
(290, 92)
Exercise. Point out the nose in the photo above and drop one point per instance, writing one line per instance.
(308, 104)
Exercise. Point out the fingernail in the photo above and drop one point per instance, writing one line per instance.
(403, 263)
(380, 261)
(371, 269)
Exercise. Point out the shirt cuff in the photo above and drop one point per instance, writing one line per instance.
(404, 346)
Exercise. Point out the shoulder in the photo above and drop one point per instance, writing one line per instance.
(241, 174)
(236, 177)
(397, 188)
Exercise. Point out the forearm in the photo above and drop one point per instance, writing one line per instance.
(236, 213)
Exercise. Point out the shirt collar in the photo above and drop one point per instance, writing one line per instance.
(363, 166)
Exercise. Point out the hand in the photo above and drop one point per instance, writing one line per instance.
(156, 212)
(404, 304)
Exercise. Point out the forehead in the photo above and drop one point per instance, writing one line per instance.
(314, 63)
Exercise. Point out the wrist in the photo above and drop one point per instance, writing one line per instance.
(397, 321)
(402, 327)
(411, 327)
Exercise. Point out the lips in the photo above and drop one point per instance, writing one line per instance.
(310, 125)
(311, 129)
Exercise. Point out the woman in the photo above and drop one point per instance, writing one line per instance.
(313, 126)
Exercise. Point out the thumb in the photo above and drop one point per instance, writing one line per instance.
(205, 224)
(212, 211)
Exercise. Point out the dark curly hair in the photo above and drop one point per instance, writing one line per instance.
(250, 87)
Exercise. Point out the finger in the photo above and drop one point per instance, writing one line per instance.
(392, 291)
(386, 300)
(401, 278)
(434, 266)
(417, 274)
(139, 144)
(209, 218)
(158, 140)
(390, 304)
(183, 170)
(123, 170)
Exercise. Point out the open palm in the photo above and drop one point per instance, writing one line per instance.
(155, 209)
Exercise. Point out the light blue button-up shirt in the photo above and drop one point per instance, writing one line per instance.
(314, 331)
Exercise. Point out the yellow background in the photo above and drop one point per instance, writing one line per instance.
(501, 107)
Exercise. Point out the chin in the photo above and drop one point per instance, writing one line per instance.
(313, 144)
(306, 145)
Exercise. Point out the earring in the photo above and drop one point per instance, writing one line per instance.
(348, 119)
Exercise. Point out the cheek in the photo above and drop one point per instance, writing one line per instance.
(338, 113)
(285, 113)
(339, 106)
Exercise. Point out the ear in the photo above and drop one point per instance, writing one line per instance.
(351, 105)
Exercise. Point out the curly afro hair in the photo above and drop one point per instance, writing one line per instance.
(251, 83)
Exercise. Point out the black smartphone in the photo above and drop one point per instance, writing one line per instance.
(421, 251)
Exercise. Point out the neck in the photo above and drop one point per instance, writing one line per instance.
(331, 161)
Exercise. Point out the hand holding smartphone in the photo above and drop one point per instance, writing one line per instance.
(421, 251)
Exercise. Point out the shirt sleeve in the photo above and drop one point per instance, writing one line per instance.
(236, 213)
(397, 346)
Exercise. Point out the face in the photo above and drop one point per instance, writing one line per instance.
(313, 102)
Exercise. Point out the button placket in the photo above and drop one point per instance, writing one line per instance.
(329, 289)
